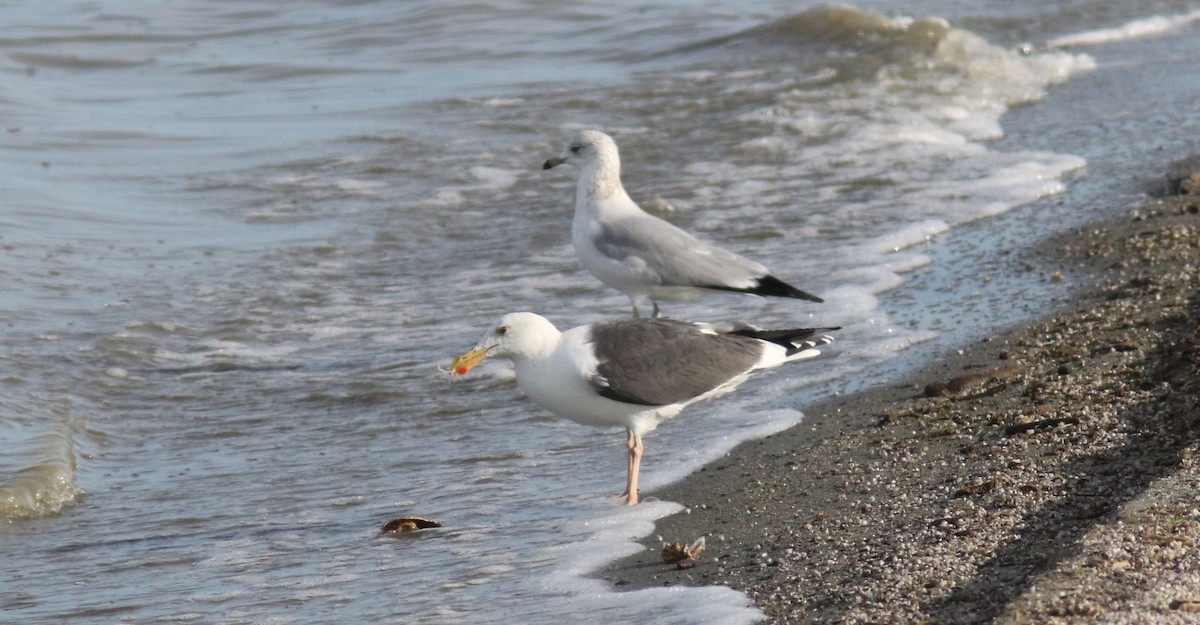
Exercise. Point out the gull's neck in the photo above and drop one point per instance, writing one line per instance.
(599, 187)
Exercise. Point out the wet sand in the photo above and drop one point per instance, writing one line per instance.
(1048, 474)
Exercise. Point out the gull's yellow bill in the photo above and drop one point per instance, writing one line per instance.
(467, 361)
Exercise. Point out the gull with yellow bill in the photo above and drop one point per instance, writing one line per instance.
(634, 373)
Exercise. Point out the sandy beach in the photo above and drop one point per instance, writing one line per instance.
(1047, 474)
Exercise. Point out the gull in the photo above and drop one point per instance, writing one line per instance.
(645, 257)
(634, 373)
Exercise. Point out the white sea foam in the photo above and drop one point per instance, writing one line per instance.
(1144, 27)
(593, 543)
(495, 177)
(360, 187)
(737, 424)
(908, 235)
(245, 351)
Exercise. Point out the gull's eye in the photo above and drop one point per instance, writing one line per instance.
(501, 329)
(575, 148)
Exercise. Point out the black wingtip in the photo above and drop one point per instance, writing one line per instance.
(774, 287)
(794, 340)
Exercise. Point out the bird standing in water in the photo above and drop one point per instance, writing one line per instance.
(641, 255)
(634, 373)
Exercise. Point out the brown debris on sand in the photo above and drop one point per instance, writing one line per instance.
(968, 381)
(682, 556)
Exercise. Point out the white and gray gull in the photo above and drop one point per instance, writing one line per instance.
(641, 255)
(634, 373)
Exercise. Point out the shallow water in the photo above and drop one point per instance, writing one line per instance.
(238, 242)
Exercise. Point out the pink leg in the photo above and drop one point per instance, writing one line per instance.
(629, 466)
(634, 443)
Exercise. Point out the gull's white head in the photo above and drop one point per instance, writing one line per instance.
(517, 335)
(599, 163)
(587, 146)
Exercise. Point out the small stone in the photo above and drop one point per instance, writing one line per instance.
(976, 489)
(1190, 185)
(1186, 605)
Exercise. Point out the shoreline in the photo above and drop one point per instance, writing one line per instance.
(1048, 473)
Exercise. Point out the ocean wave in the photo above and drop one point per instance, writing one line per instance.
(837, 26)
(47, 486)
